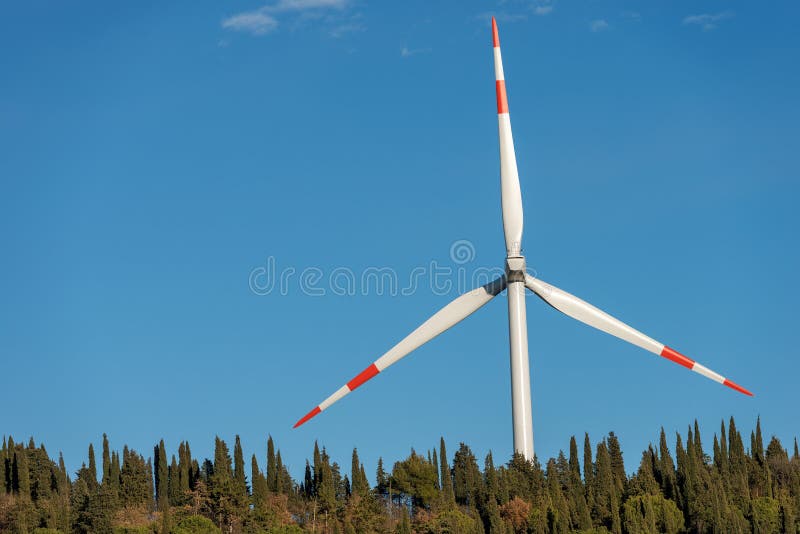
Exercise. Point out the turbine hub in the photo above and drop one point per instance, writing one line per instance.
(515, 269)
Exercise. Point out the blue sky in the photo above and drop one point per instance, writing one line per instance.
(155, 155)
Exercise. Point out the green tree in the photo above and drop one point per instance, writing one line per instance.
(272, 473)
(414, 477)
(445, 476)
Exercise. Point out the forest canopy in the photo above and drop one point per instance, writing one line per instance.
(680, 485)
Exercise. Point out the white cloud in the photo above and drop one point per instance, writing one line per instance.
(255, 22)
(543, 10)
(598, 25)
(263, 20)
(708, 21)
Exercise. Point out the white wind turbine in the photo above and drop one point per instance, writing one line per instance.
(515, 280)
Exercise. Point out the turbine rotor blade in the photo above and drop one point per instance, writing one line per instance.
(450, 315)
(586, 313)
(510, 194)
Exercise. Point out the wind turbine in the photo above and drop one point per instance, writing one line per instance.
(515, 280)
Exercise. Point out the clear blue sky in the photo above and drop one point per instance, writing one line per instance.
(153, 154)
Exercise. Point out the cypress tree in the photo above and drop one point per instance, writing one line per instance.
(92, 469)
(221, 484)
(617, 464)
(272, 473)
(106, 461)
(308, 481)
(665, 473)
(5, 464)
(435, 461)
(796, 451)
(184, 469)
(446, 477)
(149, 481)
(581, 518)
(698, 444)
(606, 498)
(62, 480)
(588, 472)
(238, 473)
(284, 478)
(259, 483)
(360, 485)
(21, 473)
(175, 496)
(758, 450)
(381, 478)
(162, 476)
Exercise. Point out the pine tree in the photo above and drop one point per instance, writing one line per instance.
(467, 479)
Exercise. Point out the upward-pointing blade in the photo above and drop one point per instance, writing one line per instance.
(442, 320)
(586, 313)
(510, 194)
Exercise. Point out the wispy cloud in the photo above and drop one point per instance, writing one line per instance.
(408, 52)
(254, 22)
(265, 19)
(598, 25)
(708, 21)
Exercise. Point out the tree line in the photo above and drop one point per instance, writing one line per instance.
(728, 488)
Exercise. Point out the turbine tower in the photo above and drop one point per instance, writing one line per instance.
(515, 280)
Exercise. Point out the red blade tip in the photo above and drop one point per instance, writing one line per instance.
(737, 387)
(495, 36)
(307, 416)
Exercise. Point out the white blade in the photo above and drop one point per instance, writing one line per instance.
(510, 194)
(442, 320)
(586, 313)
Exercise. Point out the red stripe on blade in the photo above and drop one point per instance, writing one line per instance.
(307, 416)
(502, 99)
(495, 36)
(677, 357)
(363, 376)
(737, 387)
